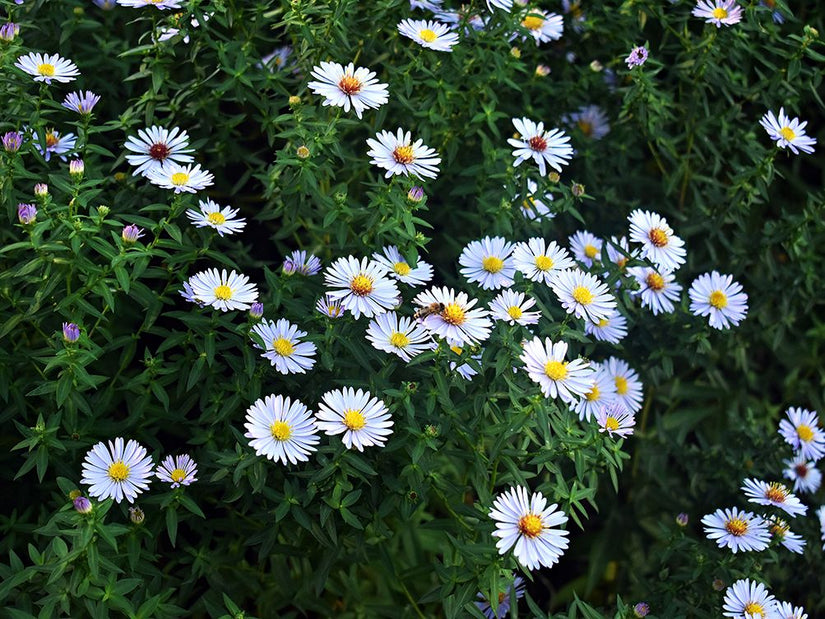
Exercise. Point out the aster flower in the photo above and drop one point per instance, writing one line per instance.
(179, 471)
(528, 524)
(458, 323)
(488, 263)
(298, 262)
(45, 68)
(190, 179)
(433, 6)
(121, 471)
(628, 385)
(601, 394)
(187, 293)
(788, 133)
(398, 335)
(361, 288)
(775, 494)
(718, 12)
(158, 4)
(430, 34)
(465, 370)
(612, 329)
(155, 146)
(12, 141)
(637, 57)
(539, 261)
(511, 307)
(277, 60)
(502, 605)
(130, 234)
(9, 31)
(746, 599)
(804, 474)
(786, 610)
(398, 154)
(583, 295)
(348, 87)
(544, 147)
(614, 418)
(586, 247)
(398, 267)
(542, 26)
(329, 307)
(778, 18)
(802, 432)
(659, 244)
(71, 332)
(363, 419)
(781, 532)
(532, 207)
(56, 144)
(80, 102)
(281, 429)
(222, 291)
(283, 346)
(720, 298)
(211, 215)
(544, 363)
(505, 5)
(591, 121)
(737, 530)
(658, 291)
(618, 251)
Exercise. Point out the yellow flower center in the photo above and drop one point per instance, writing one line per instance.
(582, 295)
(611, 423)
(402, 268)
(178, 475)
(718, 299)
(787, 133)
(349, 85)
(658, 237)
(544, 263)
(179, 179)
(399, 340)
(528, 204)
(555, 370)
(754, 608)
(621, 385)
(655, 282)
(530, 525)
(223, 292)
(603, 323)
(453, 314)
(594, 394)
(719, 13)
(736, 527)
(118, 471)
(492, 264)
(46, 69)
(533, 22)
(776, 493)
(403, 154)
(586, 127)
(283, 346)
(515, 312)
(779, 528)
(216, 219)
(457, 349)
(361, 285)
(428, 35)
(805, 433)
(590, 251)
(280, 431)
(354, 420)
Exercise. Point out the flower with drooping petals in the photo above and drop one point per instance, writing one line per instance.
(212, 215)
(614, 418)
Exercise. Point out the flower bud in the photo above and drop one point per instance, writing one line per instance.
(294, 101)
(596, 66)
(130, 234)
(41, 190)
(431, 431)
(71, 332)
(515, 52)
(12, 141)
(542, 70)
(256, 311)
(103, 210)
(76, 169)
(74, 494)
(136, 515)
(9, 31)
(82, 505)
(26, 213)
(718, 584)
(553, 177)
(641, 609)
(577, 190)
(416, 194)
(682, 519)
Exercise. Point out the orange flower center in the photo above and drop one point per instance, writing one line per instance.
(658, 237)
(361, 285)
(350, 85)
(403, 154)
(736, 527)
(530, 525)
(655, 282)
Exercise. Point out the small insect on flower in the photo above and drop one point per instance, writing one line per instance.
(433, 308)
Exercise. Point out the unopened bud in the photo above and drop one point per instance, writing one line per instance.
(136, 515)
(302, 152)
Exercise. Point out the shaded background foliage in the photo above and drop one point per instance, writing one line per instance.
(328, 538)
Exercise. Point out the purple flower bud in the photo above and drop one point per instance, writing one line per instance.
(82, 505)
(9, 31)
(12, 141)
(76, 168)
(682, 519)
(416, 194)
(637, 57)
(641, 609)
(41, 190)
(26, 213)
(256, 311)
(131, 233)
(290, 267)
(71, 332)
(81, 102)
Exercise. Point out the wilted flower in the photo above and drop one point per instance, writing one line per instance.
(26, 213)
(302, 152)
(81, 102)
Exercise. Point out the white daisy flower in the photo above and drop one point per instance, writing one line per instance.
(544, 147)
(802, 432)
(511, 307)
(659, 244)
(747, 599)
(329, 307)
(542, 26)
(361, 288)
(45, 68)
(591, 121)
(658, 291)
(178, 471)
(737, 530)
(628, 385)
(781, 532)
(720, 298)
(363, 419)
(612, 329)
(586, 247)
(601, 394)
(348, 87)
(398, 267)
(505, 5)
(718, 12)
(488, 263)
(528, 524)
(190, 179)
(531, 206)
(398, 154)
(614, 418)
(583, 295)
(158, 4)
(56, 144)
(786, 610)
(458, 322)
(773, 493)
(539, 261)
(281, 429)
(222, 291)
(398, 335)
(121, 471)
(156, 146)
(544, 363)
(429, 34)
(465, 370)
(804, 474)
(788, 133)
(283, 346)
(211, 215)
